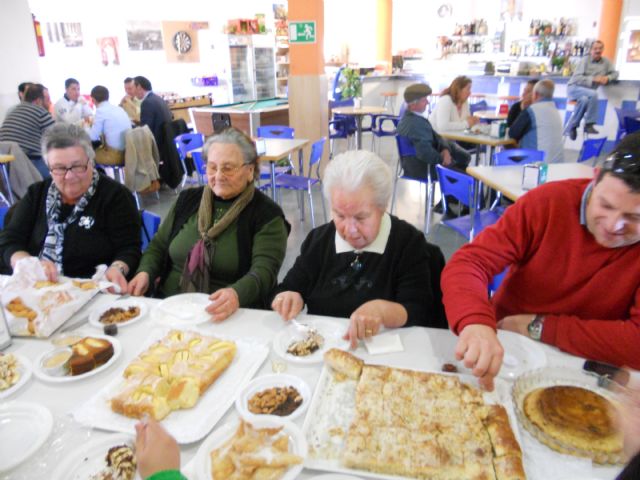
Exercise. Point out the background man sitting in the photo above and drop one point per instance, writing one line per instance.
(72, 108)
(592, 71)
(130, 103)
(525, 101)
(539, 127)
(111, 122)
(573, 253)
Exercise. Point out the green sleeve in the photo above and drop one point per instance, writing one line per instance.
(269, 249)
(153, 258)
(167, 475)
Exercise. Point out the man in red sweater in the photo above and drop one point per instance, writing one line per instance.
(574, 271)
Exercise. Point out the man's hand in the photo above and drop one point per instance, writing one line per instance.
(446, 157)
(601, 79)
(480, 349)
(224, 303)
(139, 284)
(517, 323)
(288, 305)
(156, 450)
(365, 322)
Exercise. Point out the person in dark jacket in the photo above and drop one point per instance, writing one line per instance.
(76, 220)
(365, 265)
(154, 111)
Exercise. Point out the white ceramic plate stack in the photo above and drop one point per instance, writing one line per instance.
(24, 427)
(182, 310)
(24, 370)
(331, 330)
(297, 445)
(94, 317)
(265, 382)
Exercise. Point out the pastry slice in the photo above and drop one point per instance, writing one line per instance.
(344, 363)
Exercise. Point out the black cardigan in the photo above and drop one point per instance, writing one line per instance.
(108, 229)
(405, 274)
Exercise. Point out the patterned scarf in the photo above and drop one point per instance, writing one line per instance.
(54, 241)
(196, 274)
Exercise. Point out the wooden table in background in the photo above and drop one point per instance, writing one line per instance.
(358, 113)
(478, 139)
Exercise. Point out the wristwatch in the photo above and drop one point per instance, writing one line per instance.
(535, 327)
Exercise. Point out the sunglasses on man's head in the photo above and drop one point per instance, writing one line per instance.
(622, 162)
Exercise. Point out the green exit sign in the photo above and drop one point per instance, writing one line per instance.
(302, 32)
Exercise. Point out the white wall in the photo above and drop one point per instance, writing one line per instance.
(84, 63)
(18, 55)
(350, 24)
(630, 21)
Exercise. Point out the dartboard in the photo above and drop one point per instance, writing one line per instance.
(182, 42)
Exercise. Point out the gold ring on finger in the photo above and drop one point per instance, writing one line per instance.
(368, 332)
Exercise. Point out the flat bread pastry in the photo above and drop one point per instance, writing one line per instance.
(424, 425)
(574, 418)
(344, 363)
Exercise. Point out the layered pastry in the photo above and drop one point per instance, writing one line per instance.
(88, 354)
(310, 343)
(121, 464)
(423, 425)
(9, 374)
(172, 374)
(574, 418)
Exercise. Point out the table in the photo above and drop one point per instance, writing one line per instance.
(278, 148)
(425, 349)
(508, 179)
(245, 116)
(4, 161)
(490, 115)
(358, 113)
(478, 139)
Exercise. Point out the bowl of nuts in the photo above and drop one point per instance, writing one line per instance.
(274, 396)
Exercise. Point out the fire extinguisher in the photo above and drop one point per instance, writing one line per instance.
(39, 39)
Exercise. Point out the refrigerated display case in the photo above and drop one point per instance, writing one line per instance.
(252, 66)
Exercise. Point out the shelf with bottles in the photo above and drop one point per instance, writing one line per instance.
(464, 45)
(477, 27)
(563, 28)
(549, 47)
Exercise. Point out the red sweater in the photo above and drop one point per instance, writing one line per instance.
(589, 294)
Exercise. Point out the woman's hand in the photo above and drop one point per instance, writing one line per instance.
(365, 322)
(224, 303)
(472, 121)
(139, 284)
(288, 304)
(114, 275)
(156, 450)
(50, 270)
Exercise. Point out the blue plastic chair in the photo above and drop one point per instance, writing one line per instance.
(478, 106)
(591, 148)
(200, 164)
(406, 149)
(631, 125)
(274, 131)
(496, 281)
(304, 183)
(150, 225)
(622, 114)
(341, 126)
(383, 126)
(462, 187)
(185, 143)
(3, 213)
(517, 156)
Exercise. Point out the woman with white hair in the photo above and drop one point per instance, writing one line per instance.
(75, 220)
(366, 265)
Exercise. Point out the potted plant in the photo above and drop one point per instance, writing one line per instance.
(352, 86)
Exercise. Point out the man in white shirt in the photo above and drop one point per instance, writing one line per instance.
(110, 120)
(72, 108)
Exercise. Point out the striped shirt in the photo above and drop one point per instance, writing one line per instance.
(24, 124)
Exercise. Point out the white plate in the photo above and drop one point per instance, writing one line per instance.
(297, 445)
(521, 354)
(24, 427)
(24, 369)
(88, 459)
(182, 310)
(334, 476)
(44, 376)
(269, 381)
(94, 317)
(331, 330)
(188, 425)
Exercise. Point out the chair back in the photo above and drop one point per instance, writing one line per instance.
(316, 151)
(591, 148)
(3, 213)
(150, 225)
(220, 121)
(276, 131)
(631, 125)
(457, 184)
(517, 156)
(478, 106)
(187, 142)
(201, 166)
(623, 113)
(405, 147)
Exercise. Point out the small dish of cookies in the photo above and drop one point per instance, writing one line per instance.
(120, 312)
(277, 396)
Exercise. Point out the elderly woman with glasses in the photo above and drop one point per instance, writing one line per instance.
(366, 265)
(226, 239)
(75, 220)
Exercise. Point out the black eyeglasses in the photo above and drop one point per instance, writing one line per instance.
(75, 169)
(622, 162)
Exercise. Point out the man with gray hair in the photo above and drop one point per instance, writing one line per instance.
(539, 127)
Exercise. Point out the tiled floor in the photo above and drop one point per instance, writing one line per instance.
(409, 206)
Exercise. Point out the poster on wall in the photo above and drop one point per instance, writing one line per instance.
(280, 16)
(633, 53)
(142, 35)
(108, 47)
(68, 34)
(181, 41)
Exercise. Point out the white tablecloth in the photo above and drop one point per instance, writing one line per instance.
(424, 349)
